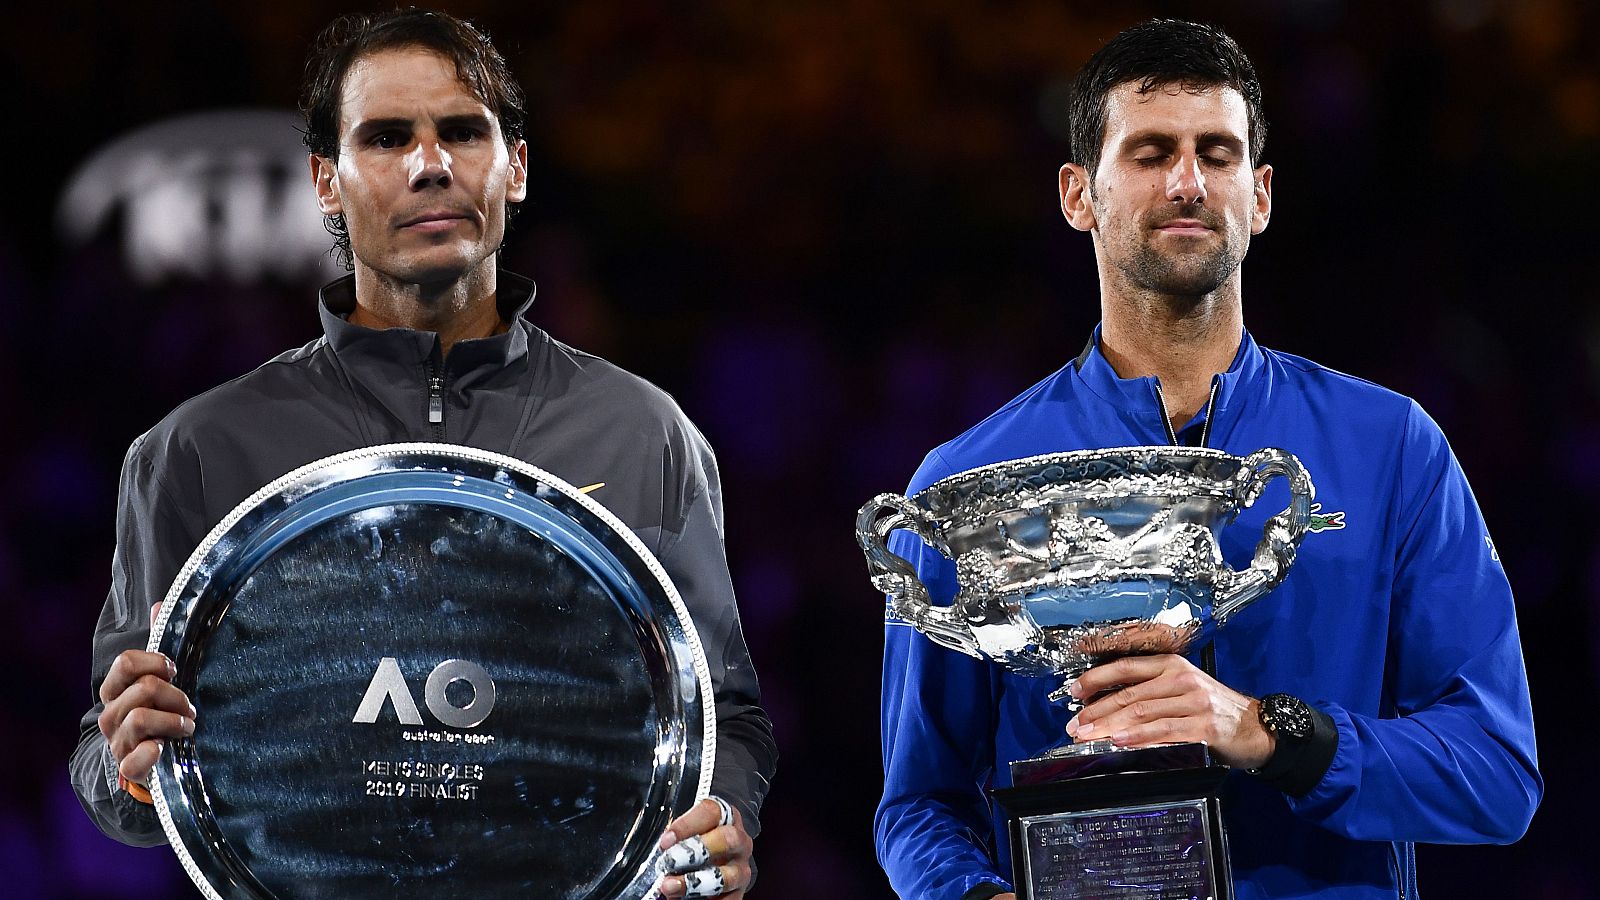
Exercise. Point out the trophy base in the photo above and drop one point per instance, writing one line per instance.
(1101, 824)
(1066, 751)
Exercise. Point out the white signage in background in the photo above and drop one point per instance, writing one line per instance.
(225, 193)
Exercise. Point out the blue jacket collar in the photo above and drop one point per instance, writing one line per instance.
(1245, 375)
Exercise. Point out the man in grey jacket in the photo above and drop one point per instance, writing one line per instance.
(415, 130)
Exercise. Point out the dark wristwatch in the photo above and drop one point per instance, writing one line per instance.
(1286, 718)
(1306, 740)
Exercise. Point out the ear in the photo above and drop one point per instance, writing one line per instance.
(1075, 197)
(517, 179)
(1263, 210)
(325, 179)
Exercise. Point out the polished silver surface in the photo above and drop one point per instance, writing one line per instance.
(1070, 560)
(425, 670)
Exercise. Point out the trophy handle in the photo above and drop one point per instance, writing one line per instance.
(908, 596)
(1275, 552)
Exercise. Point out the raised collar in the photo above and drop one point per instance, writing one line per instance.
(1137, 395)
(405, 347)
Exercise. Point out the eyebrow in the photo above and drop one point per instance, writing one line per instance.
(1206, 139)
(460, 120)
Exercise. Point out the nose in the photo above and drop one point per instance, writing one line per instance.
(1185, 183)
(428, 165)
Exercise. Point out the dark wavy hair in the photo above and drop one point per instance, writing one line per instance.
(348, 38)
(1156, 54)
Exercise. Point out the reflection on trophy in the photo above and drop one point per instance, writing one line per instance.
(1071, 560)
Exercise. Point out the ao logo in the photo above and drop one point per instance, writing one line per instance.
(217, 193)
(389, 685)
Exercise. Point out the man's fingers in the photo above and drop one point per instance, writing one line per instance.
(143, 724)
(137, 765)
(686, 855)
(1161, 731)
(149, 692)
(1167, 685)
(712, 881)
(708, 882)
(129, 667)
(155, 693)
(727, 840)
(694, 852)
(1137, 713)
(710, 832)
(1125, 671)
(709, 813)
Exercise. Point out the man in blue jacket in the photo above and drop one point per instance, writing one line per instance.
(1394, 634)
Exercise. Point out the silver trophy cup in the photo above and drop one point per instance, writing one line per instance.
(1071, 560)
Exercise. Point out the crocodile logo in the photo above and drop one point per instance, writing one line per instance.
(1320, 521)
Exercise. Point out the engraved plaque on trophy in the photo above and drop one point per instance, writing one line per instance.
(425, 670)
(1071, 560)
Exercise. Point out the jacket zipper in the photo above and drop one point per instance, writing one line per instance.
(1211, 408)
(1208, 653)
(1166, 417)
(435, 401)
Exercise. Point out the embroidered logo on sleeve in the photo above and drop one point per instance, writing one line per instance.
(1320, 521)
(1493, 553)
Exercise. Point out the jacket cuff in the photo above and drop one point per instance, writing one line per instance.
(983, 891)
(1297, 768)
(108, 767)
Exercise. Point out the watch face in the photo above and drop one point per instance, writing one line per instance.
(429, 671)
(1286, 716)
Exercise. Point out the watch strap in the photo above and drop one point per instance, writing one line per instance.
(1296, 767)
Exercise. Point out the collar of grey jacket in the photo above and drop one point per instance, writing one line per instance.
(514, 296)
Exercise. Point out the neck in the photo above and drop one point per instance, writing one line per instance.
(1182, 340)
(458, 310)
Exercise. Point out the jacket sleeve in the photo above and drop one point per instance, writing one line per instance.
(933, 829)
(1456, 761)
(151, 546)
(695, 559)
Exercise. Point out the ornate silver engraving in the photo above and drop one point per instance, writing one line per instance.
(1069, 560)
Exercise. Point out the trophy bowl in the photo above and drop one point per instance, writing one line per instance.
(1070, 560)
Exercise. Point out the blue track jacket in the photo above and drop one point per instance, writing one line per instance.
(1396, 620)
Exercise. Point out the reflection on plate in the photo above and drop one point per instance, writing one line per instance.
(424, 670)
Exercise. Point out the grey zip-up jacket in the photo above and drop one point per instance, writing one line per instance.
(520, 393)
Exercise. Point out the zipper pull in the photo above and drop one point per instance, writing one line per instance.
(435, 400)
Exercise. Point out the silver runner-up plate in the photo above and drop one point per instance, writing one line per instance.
(424, 670)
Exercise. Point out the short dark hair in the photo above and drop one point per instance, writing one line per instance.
(1156, 54)
(349, 38)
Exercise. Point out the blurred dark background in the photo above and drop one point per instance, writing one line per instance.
(830, 230)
